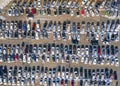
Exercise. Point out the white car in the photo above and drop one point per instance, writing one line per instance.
(96, 12)
(107, 60)
(77, 59)
(41, 81)
(92, 13)
(72, 13)
(102, 75)
(112, 61)
(86, 60)
(39, 3)
(54, 27)
(10, 12)
(97, 36)
(28, 26)
(95, 61)
(48, 57)
(54, 35)
(87, 4)
(9, 80)
(78, 50)
(1, 82)
(117, 62)
(57, 58)
(73, 58)
(103, 4)
(102, 61)
(90, 61)
(53, 50)
(69, 36)
(69, 3)
(24, 58)
(28, 81)
(58, 74)
(87, 13)
(18, 81)
(82, 59)
(1, 59)
(53, 82)
(23, 81)
(68, 28)
(37, 35)
(86, 83)
(58, 35)
(86, 50)
(33, 81)
(84, 2)
(4, 51)
(78, 36)
(28, 58)
(14, 81)
(17, 49)
(59, 27)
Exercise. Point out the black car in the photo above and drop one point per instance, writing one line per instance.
(30, 48)
(60, 10)
(81, 71)
(86, 73)
(90, 73)
(42, 69)
(59, 68)
(46, 69)
(70, 49)
(15, 71)
(81, 82)
(74, 49)
(71, 70)
(115, 75)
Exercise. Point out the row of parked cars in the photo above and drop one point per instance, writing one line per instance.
(111, 8)
(17, 11)
(107, 31)
(88, 54)
(58, 7)
(56, 76)
(84, 8)
(66, 26)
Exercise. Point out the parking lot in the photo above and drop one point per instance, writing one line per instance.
(51, 64)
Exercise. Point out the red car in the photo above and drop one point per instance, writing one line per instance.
(33, 10)
(72, 83)
(34, 26)
(99, 50)
(82, 12)
(78, 26)
(62, 82)
(16, 57)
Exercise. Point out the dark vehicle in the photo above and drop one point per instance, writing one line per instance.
(70, 49)
(89, 73)
(81, 71)
(94, 42)
(49, 82)
(86, 73)
(74, 49)
(115, 75)
(15, 71)
(81, 82)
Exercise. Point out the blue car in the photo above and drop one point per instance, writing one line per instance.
(73, 27)
(24, 26)
(63, 35)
